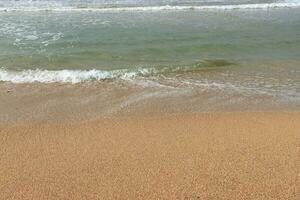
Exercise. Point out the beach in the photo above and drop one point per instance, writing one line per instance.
(139, 99)
(225, 155)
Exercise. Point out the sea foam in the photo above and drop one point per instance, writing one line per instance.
(291, 4)
(65, 76)
(77, 76)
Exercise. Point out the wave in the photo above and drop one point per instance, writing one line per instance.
(156, 8)
(78, 76)
(62, 76)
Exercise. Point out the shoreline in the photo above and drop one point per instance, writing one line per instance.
(149, 100)
(45, 103)
(225, 155)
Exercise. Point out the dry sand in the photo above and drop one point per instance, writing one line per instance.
(182, 156)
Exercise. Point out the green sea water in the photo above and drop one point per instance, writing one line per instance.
(109, 40)
(83, 63)
(244, 51)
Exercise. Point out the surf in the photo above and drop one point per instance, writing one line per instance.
(150, 8)
(79, 76)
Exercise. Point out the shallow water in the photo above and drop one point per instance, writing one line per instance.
(106, 41)
(219, 57)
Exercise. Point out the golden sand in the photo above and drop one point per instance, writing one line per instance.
(192, 156)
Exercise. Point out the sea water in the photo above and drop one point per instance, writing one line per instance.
(246, 46)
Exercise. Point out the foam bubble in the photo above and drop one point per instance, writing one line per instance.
(77, 76)
(292, 4)
(31, 37)
(62, 76)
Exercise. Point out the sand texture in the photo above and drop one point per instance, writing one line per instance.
(182, 156)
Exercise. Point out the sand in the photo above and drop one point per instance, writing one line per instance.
(184, 156)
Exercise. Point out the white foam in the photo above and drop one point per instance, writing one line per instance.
(292, 4)
(64, 76)
(31, 37)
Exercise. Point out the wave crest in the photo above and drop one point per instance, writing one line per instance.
(77, 76)
(62, 76)
(156, 8)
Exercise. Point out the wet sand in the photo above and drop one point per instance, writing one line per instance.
(236, 155)
(54, 103)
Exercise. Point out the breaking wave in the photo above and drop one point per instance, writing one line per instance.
(292, 4)
(62, 76)
(78, 76)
